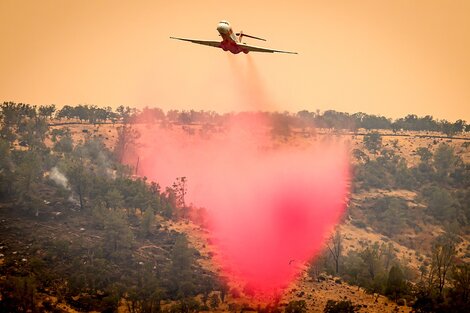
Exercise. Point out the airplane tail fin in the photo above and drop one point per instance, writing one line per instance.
(241, 35)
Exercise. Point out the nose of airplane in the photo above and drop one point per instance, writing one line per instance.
(223, 28)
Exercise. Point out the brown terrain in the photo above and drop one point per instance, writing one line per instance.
(314, 292)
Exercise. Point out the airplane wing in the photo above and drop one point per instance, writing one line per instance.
(259, 49)
(211, 43)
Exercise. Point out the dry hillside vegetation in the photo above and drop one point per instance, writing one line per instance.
(79, 231)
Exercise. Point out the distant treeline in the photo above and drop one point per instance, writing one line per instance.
(328, 119)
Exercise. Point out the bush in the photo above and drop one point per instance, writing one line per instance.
(373, 141)
(396, 285)
(296, 306)
(343, 306)
(359, 224)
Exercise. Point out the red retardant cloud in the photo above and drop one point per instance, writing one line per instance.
(271, 204)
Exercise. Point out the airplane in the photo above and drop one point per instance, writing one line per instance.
(232, 41)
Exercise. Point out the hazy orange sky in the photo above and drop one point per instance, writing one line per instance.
(383, 57)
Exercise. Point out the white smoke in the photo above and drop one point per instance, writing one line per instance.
(59, 178)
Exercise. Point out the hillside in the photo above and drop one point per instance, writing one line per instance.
(82, 232)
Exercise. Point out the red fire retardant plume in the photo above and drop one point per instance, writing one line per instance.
(271, 205)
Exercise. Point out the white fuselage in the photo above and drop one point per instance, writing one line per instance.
(230, 40)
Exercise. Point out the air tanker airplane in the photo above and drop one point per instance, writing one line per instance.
(232, 42)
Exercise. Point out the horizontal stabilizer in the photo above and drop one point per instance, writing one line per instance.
(241, 35)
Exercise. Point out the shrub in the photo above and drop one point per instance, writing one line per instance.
(343, 306)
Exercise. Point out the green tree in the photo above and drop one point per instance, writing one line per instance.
(126, 141)
(403, 176)
(444, 161)
(146, 295)
(440, 202)
(28, 177)
(181, 257)
(360, 156)
(459, 294)
(443, 253)
(124, 113)
(448, 128)
(281, 125)
(373, 142)
(370, 256)
(424, 154)
(9, 116)
(64, 144)
(6, 169)
(147, 222)
(296, 306)
(67, 112)
(79, 179)
(114, 199)
(46, 111)
(366, 267)
(353, 268)
(390, 214)
(118, 236)
(33, 132)
(185, 305)
(342, 306)
(388, 255)
(396, 284)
